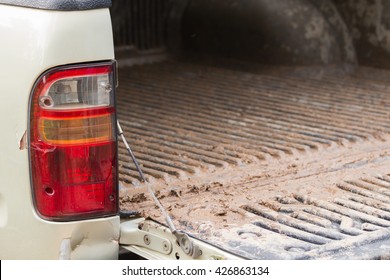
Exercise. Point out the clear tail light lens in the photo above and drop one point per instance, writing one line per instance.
(73, 150)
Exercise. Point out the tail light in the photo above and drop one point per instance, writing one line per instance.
(73, 150)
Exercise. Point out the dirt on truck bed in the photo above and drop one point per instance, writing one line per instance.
(287, 163)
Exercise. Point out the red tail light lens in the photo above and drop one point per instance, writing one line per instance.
(73, 150)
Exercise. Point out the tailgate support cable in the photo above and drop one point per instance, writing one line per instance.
(186, 244)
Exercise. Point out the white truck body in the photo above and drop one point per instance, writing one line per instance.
(33, 41)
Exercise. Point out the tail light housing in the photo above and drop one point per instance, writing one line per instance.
(73, 142)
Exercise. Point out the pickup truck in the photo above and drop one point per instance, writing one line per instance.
(261, 127)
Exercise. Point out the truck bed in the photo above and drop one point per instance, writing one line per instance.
(267, 163)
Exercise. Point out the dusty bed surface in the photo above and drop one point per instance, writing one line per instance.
(277, 164)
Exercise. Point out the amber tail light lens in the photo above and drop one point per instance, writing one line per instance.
(72, 141)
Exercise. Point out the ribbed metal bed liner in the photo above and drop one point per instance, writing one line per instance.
(286, 163)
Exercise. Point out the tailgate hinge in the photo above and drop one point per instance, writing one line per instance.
(132, 235)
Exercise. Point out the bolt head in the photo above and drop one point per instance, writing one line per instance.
(147, 239)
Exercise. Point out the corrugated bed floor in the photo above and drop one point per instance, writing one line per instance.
(288, 163)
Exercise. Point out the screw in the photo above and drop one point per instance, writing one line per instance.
(46, 101)
(165, 246)
(147, 239)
